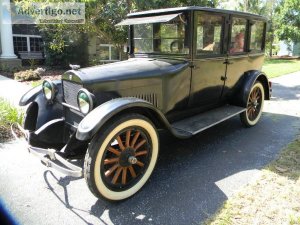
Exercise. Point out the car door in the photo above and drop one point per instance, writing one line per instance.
(208, 69)
(245, 50)
(238, 57)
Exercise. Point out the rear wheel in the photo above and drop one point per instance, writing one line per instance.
(120, 160)
(255, 104)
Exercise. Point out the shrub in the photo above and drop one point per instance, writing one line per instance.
(28, 75)
(8, 115)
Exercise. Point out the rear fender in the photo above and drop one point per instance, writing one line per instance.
(243, 88)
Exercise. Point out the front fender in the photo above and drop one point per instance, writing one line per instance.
(30, 95)
(40, 111)
(90, 124)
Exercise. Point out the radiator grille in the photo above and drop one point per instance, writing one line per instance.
(70, 92)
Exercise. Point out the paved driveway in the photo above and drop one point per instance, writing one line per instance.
(192, 178)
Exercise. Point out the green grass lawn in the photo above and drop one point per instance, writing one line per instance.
(278, 67)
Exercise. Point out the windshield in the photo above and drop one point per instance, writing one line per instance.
(165, 38)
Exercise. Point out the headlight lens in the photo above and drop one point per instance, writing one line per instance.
(85, 101)
(49, 90)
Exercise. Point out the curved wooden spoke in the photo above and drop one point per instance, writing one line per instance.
(139, 144)
(141, 153)
(110, 161)
(115, 151)
(257, 93)
(132, 172)
(137, 134)
(116, 176)
(254, 92)
(128, 138)
(139, 163)
(252, 113)
(251, 96)
(124, 175)
(111, 170)
(122, 147)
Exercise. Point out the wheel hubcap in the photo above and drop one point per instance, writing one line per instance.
(126, 158)
(132, 160)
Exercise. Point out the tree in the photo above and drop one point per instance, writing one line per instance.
(252, 6)
(101, 18)
(271, 8)
(289, 21)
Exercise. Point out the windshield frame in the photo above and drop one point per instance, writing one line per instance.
(187, 35)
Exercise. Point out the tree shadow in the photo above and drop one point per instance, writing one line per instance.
(282, 92)
(63, 182)
(288, 164)
(184, 187)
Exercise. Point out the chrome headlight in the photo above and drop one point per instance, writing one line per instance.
(49, 90)
(84, 101)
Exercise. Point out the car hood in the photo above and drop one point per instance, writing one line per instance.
(129, 69)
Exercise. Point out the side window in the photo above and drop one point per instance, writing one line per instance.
(209, 34)
(238, 34)
(257, 34)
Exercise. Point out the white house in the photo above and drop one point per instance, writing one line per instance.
(291, 49)
(7, 57)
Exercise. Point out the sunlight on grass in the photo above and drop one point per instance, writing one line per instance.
(278, 67)
(8, 115)
(274, 198)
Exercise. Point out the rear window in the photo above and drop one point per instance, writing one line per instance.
(257, 35)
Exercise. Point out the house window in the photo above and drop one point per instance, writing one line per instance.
(20, 44)
(27, 43)
(109, 53)
(36, 44)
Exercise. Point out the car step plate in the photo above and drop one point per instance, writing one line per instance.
(203, 121)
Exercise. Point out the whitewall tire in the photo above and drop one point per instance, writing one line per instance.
(255, 103)
(121, 157)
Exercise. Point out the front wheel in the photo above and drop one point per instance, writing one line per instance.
(121, 157)
(255, 104)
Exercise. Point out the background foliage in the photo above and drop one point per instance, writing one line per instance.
(65, 42)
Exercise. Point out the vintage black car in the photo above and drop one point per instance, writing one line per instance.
(188, 69)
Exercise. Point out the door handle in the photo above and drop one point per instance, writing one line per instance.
(223, 78)
(194, 67)
(227, 62)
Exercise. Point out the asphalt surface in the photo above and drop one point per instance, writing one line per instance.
(190, 182)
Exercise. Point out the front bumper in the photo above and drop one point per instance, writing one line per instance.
(51, 157)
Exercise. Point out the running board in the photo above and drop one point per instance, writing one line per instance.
(203, 121)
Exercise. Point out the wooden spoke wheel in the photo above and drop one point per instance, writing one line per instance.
(120, 160)
(254, 105)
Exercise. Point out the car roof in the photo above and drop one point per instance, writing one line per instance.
(193, 8)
